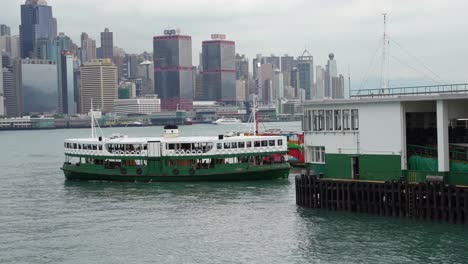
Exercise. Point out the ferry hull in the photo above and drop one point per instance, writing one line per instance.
(267, 174)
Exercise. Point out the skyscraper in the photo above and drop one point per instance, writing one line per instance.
(242, 73)
(331, 72)
(278, 85)
(266, 77)
(88, 48)
(219, 69)
(287, 64)
(107, 44)
(66, 83)
(5, 30)
(273, 60)
(305, 68)
(36, 23)
(2, 98)
(319, 83)
(172, 54)
(99, 84)
(36, 89)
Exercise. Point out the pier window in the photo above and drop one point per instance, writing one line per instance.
(315, 120)
(321, 120)
(354, 119)
(317, 154)
(329, 120)
(346, 120)
(337, 119)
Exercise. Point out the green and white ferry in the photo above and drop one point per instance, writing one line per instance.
(230, 157)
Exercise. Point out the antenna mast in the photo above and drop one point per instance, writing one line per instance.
(384, 66)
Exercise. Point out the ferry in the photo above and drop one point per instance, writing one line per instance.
(231, 157)
(227, 121)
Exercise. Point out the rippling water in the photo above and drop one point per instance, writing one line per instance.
(44, 219)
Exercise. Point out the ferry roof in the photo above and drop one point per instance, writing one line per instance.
(378, 99)
(133, 140)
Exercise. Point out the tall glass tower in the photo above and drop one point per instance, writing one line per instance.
(36, 23)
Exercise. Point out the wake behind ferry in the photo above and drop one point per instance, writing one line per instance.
(172, 158)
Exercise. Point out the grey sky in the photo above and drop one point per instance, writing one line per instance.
(435, 31)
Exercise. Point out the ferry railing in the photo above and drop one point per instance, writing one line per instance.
(412, 90)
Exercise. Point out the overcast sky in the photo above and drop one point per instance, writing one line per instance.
(433, 32)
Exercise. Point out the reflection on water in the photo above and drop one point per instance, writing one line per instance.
(45, 219)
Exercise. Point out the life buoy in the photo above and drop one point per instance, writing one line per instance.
(199, 152)
(127, 152)
(121, 152)
(138, 152)
(139, 171)
(123, 170)
(175, 172)
(132, 152)
(194, 152)
(191, 171)
(176, 152)
(187, 152)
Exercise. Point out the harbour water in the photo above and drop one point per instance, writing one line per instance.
(45, 219)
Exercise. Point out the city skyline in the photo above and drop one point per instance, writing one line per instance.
(330, 26)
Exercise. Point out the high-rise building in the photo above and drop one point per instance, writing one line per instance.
(107, 44)
(67, 103)
(266, 77)
(172, 54)
(2, 98)
(242, 67)
(241, 90)
(219, 69)
(36, 23)
(305, 68)
(10, 93)
(295, 82)
(146, 74)
(77, 83)
(287, 64)
(273, 60)
(278, 85)
(331, 72)
(88, 48)
(319, 83)
(36, 84)
(98, 85)
(338, 87)
(5, 30)
(54, 27)
(130, 66)
(15, 47)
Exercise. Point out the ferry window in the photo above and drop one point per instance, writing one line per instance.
(249, 144)
(85, 147)
(280, 142)
(171, 146)
(100, 147)
(264, 143)
(354, 119)
(346, 125)
(74, 146)
(329, 120)
(219, 146)
(314, 120)
(309, 121)
(65, 145)
(337, 119)
(79, 146)
(241, 144)
(321, 120)
(227, 145)
(145, 147)
(94, 147)
(271, 143)
(257, 144)
(234, 145)
(209, 146)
